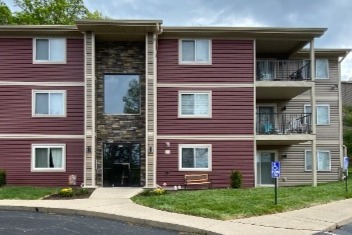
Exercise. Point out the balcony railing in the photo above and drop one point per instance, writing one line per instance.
(283, 70)
(283, 123)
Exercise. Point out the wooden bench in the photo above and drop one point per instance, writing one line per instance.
(197, 179)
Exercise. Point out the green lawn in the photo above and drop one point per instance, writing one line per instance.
(227, 204)
(26, 193)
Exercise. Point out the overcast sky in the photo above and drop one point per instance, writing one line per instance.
(336, 15)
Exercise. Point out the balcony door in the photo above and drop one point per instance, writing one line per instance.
(265, 119)
(264, 160)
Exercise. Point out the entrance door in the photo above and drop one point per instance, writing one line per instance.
(264, 160)
(121, 165)
(266, 119)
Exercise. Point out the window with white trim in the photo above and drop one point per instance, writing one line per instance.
(195, 51)
(48, 157)
(323, 160)
(321, 69)
(49, 103)
(323, 113)
(195, 157)
(49, 50)
(194, 104)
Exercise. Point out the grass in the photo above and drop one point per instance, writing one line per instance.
(227, 204)
(26, 192)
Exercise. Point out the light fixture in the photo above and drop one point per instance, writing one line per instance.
(284, 155)
(167, 144)
(89, 149)
(150, 149)
(335, 86)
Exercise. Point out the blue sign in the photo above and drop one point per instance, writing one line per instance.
(345, 163)
(275, 170)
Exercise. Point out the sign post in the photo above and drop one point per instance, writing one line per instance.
(275, 173)
(345, 167)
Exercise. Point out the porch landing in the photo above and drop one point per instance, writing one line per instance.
(111, 193)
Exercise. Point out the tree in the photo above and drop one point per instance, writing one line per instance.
(47, 12)
(5, 14)
(132, 98)
(347, 128)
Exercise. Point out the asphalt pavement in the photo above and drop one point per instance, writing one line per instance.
(35, 223)
(344, 230)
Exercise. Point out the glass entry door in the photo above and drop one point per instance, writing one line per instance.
(121, 165)
(264, 160)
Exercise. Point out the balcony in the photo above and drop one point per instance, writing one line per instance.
(283, 128)
(282, 79)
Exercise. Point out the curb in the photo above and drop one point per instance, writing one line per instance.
(152, 223)
(338, 225)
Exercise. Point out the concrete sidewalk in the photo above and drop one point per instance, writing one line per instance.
(114, 203)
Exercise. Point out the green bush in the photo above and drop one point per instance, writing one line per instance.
(2, 177)
(236, 179)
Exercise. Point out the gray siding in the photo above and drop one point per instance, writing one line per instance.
(328, 136)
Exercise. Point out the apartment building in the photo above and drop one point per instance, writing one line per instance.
(114, 103)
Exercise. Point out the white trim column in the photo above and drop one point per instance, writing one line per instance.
(314, 114)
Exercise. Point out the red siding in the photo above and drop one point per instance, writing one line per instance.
(15, 158)
(16, 62)
(232, 61)
(226, 157)
(16, 112)
(232, 113)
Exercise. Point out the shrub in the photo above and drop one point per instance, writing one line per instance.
(2, 177)
(236, 179)
(150, 192)
(66, 192)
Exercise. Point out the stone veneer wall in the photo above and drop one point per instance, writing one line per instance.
(119, 57)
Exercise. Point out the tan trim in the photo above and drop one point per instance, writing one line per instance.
(93, 112)
(340, 116)
(13, 83)
(255, 111)
(85, 111)
(155, 40)
(39, 136)
(205, 85)
(147, 133)
(206, 137)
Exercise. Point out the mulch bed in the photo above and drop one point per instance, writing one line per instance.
(58, 197)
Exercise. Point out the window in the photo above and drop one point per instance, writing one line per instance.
(323, 113)
(195, 157)
(321, 68)
(195, 104)
(195, 51)
(49, 103)
(323, 158)
(121, 94)
(48, 50)
(48, 157)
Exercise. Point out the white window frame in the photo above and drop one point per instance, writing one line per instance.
(208, 146)
(194, 62)
(318, 105)
(318, 151)
(316, 69)
(35, 61)
(209, 93)
(35, 146)
(34, 92)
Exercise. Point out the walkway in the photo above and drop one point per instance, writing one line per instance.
(114, 203)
